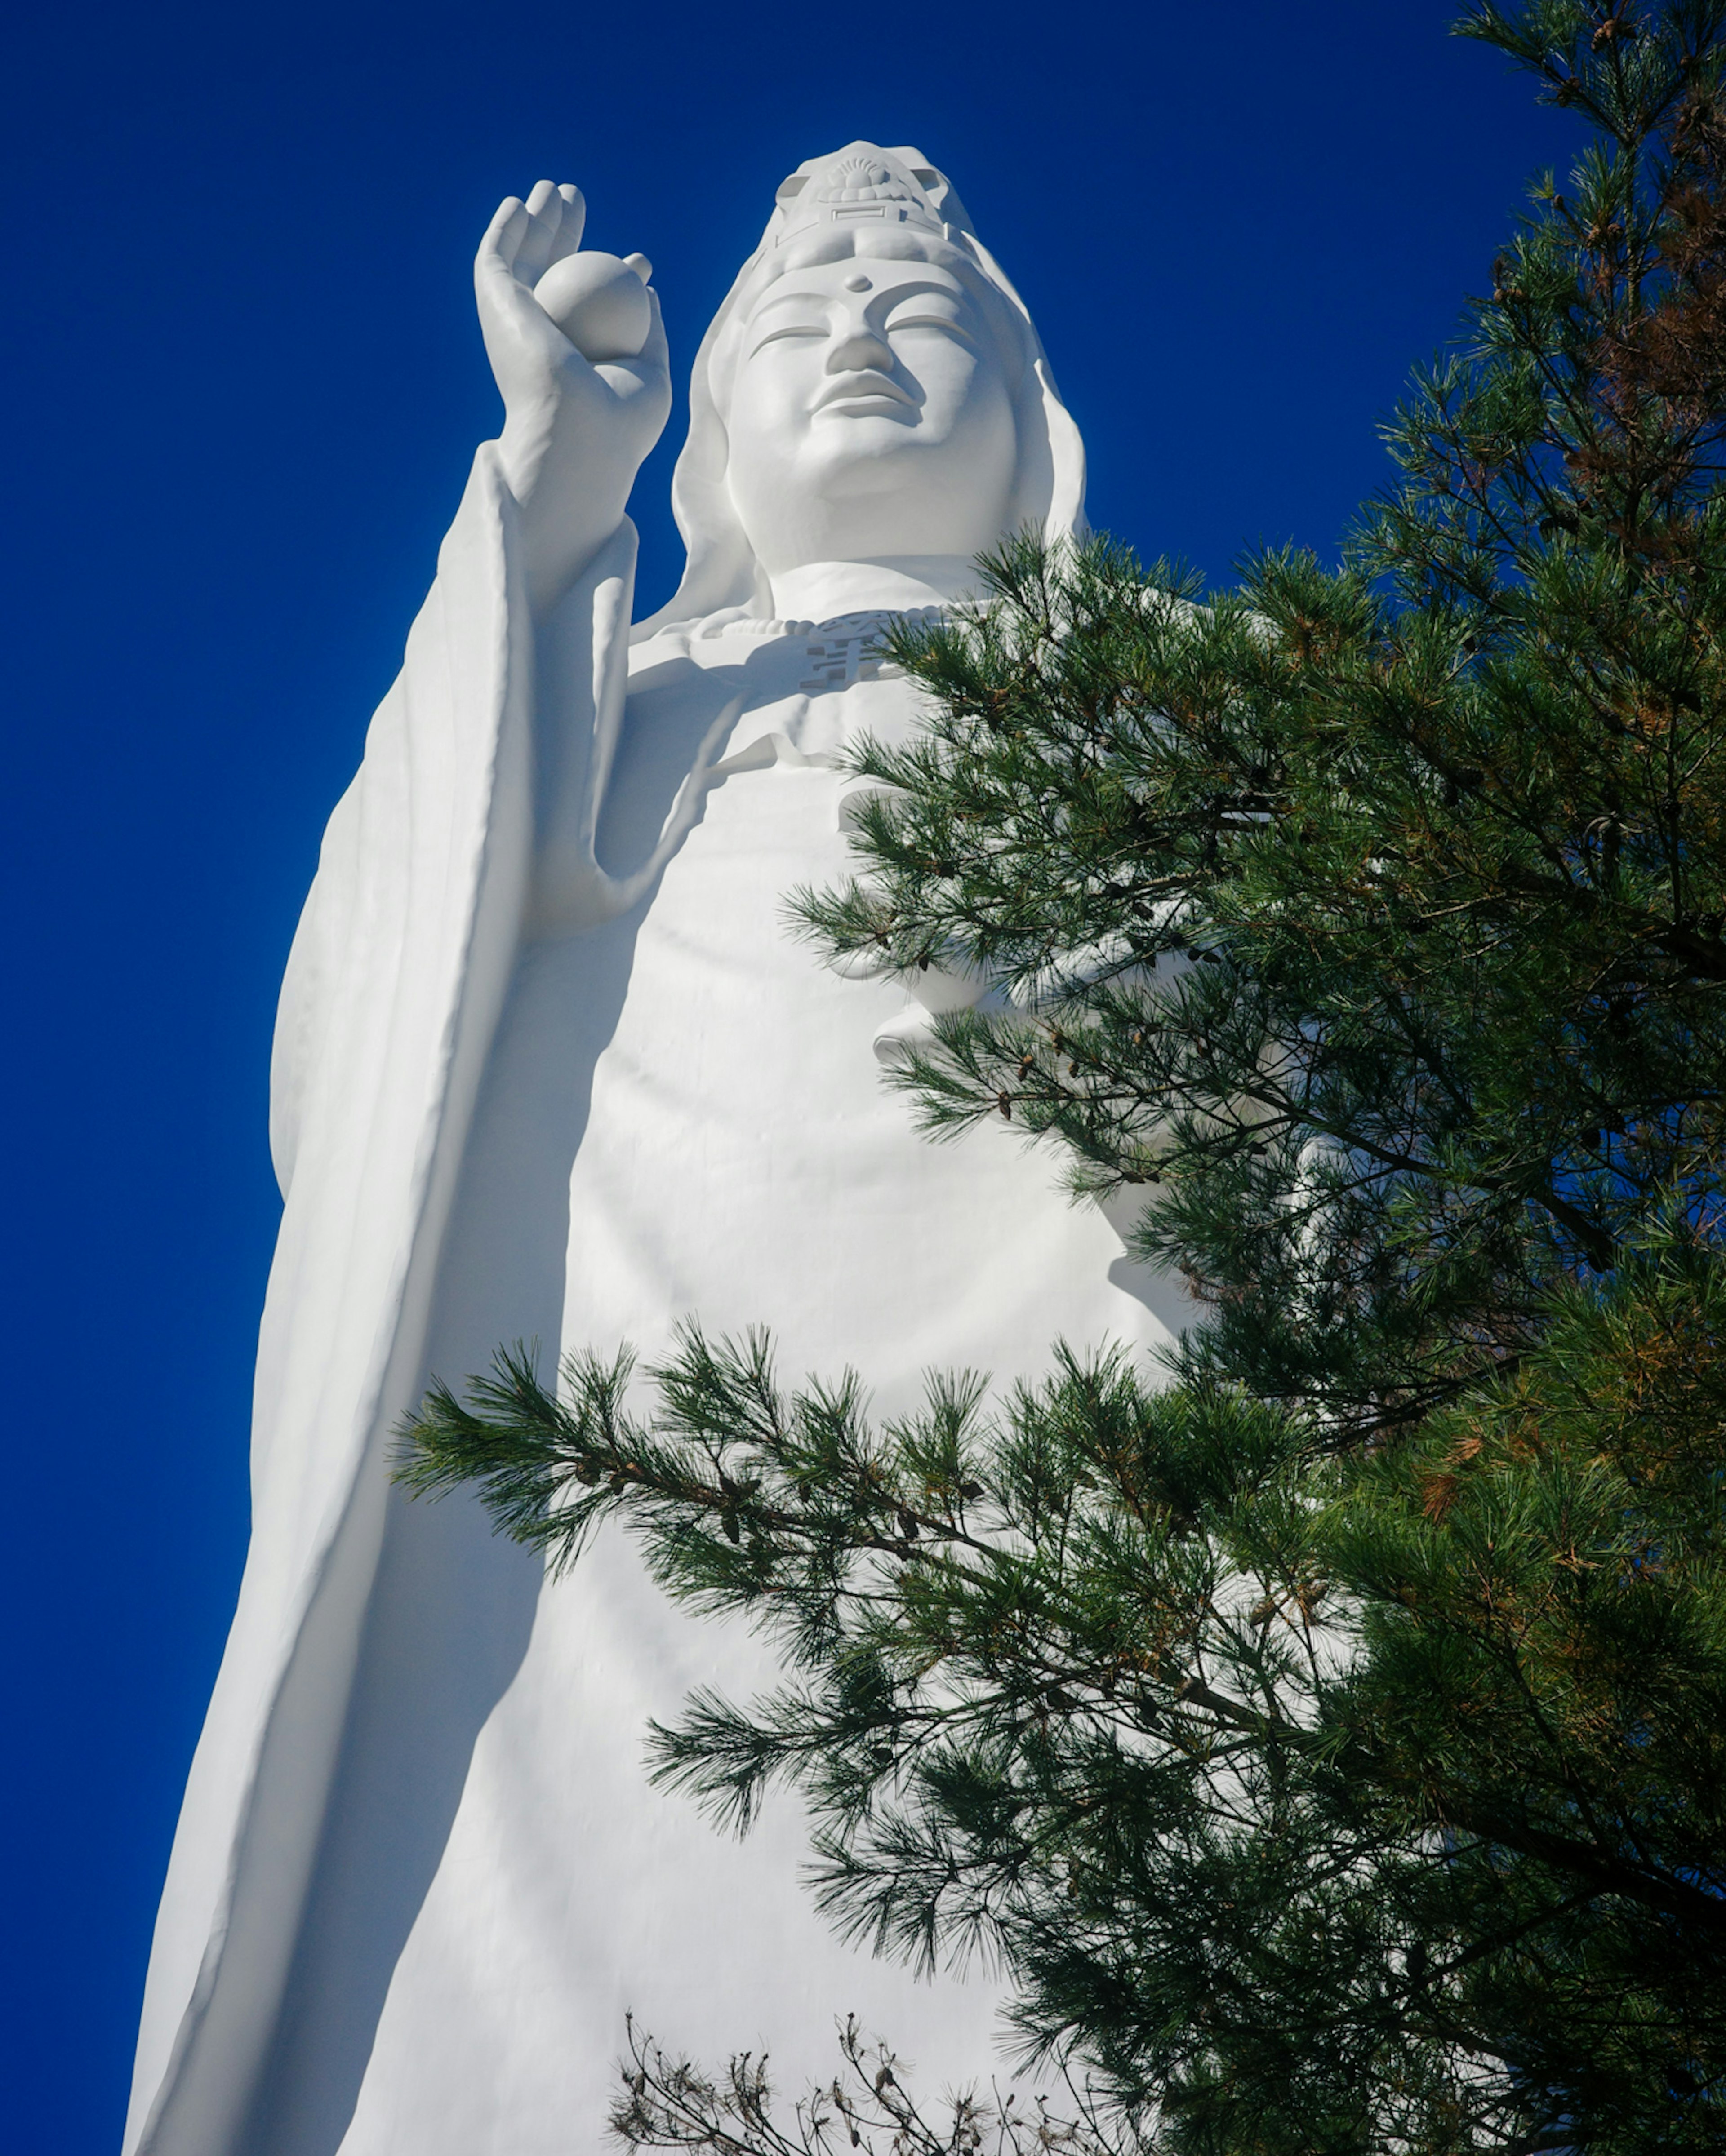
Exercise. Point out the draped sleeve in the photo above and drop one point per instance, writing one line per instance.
(392, 993)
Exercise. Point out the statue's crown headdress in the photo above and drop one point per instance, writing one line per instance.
(862, 185)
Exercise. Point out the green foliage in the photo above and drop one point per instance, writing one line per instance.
(1328, 1734)
(1313, 1803)
(669, 2103)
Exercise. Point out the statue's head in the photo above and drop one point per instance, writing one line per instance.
(872, 389)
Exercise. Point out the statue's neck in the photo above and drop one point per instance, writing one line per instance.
(819, 590)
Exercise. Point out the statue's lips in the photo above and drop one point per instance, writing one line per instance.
(864, 395)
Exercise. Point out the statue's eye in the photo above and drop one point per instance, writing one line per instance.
(787, 330)
(922, 319)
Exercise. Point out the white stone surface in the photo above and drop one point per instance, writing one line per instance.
(549, 1065)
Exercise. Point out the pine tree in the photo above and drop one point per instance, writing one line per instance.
(1329, 1732)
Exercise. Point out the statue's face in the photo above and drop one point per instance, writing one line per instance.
(870, 417)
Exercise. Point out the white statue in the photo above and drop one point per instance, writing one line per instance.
(550, 1067)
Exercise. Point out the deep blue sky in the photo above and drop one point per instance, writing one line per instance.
(243, 383)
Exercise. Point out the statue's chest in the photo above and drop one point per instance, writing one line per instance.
(813, 686)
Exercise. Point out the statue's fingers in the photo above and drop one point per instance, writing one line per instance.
(571, 223)
(504, 234)
(545, 211)
(655, 351)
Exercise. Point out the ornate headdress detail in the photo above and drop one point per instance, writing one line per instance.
(863, 184)
(856, 179)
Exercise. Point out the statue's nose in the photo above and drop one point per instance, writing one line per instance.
(859, 347)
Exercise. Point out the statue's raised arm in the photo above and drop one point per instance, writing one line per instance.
(578, 352)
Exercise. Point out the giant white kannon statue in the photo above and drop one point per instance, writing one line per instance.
(550, 1067)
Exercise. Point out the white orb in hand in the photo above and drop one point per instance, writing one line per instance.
(599, 303)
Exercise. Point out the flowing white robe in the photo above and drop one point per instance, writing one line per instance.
(419, 1876)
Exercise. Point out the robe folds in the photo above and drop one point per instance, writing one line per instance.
(550, 1067)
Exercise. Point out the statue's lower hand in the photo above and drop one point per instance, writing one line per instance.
(574, 432)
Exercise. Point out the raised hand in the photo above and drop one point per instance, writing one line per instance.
(574, 432)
